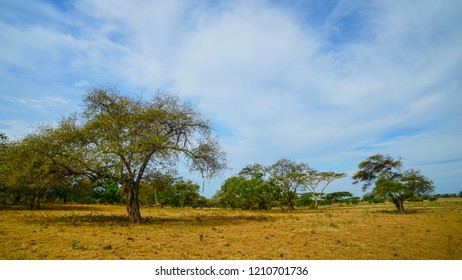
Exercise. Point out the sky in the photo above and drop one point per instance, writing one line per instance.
(328, 83)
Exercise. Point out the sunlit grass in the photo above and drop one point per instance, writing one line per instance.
(431, 230)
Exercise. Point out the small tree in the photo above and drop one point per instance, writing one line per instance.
(389, 181)
(316, 182)
(339, 197)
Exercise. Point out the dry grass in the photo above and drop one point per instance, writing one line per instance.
(431, 230)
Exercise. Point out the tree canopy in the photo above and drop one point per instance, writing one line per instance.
(122, 139)
(316, 182)
(389, 181)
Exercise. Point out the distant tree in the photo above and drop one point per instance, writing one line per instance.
(184, 193)
(338, 197)
(201, 202)
(107, 192)
(123, 139)
(316, 182)
(154, 184)
(305, 200)
(389, 181)
(229, 194)
(250, 189)
(288, 176)
(4, 146)
(262, 192)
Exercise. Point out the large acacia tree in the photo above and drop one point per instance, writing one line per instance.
(123, 138)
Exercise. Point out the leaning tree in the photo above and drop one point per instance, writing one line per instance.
(388, 180)
(123, 139)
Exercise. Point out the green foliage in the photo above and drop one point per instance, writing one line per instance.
(305, 200)
(250, 189)
(390, 182)
(168, 190)
(153, 185)
(27, 174)
(252, 193)
(259, 187)
(353, 200)
(107, 192)
(180, 194)
(375, 166)
(339, 197)
(449, 195)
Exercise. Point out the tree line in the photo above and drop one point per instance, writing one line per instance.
(125, 150)
(279, 185)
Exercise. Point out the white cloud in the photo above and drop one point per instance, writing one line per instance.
(82, 84)
(275, 88)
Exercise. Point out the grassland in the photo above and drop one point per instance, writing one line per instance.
(431, 230)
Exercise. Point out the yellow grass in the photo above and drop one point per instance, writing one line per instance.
(431, 230)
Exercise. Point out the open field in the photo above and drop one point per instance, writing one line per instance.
(431, 230)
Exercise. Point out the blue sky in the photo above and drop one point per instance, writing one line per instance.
(328, 83)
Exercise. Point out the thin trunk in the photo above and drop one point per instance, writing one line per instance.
(132, 204)
(155, 197)
(37, 202)
(316, 203)
(31, 202)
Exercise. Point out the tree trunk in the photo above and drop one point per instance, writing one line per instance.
(16, 199)
(290, 202)
(399, 205)
(34, 202)
(132, 204)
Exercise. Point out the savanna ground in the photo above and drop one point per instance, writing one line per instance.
(430, 230)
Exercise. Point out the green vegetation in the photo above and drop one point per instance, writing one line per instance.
(279, 185)
(390, 182)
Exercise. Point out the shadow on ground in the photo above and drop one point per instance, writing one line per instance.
(122, 220)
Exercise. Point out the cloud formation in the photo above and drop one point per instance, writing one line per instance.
(325, 83)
